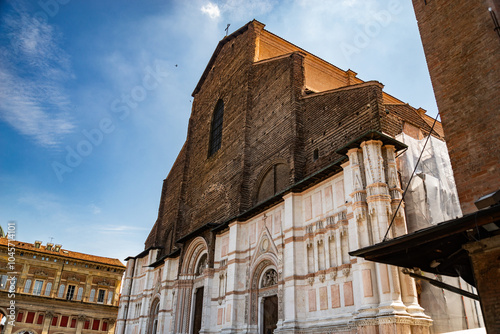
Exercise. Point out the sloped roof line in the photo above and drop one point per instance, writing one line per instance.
(221, 43)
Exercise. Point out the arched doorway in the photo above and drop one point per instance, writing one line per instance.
(153, 320)
(264, 301)
(269, 301)
(192, 282)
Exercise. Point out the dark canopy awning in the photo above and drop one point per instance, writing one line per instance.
(437, 249)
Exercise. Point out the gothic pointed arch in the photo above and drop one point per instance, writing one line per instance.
(272, 179)
(154, 311)
(195, 253)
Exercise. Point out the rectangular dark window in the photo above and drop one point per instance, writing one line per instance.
(87, 324)
(100, 296)
(20, 317)
(64, 321)
(54, 321)
(95, 325)
(104, 326)
(73, 323)
(30, 317)
(40, 319)
(70, 293)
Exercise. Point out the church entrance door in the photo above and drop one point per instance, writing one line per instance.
(198, 310)
(270, 314)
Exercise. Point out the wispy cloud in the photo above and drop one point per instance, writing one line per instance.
(94, 209)
(33, 72)
(120, 228)
(238, 9)
(211, 10)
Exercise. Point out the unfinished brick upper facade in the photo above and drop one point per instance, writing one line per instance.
(280, 105)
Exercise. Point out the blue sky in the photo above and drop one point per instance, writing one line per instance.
(95, 98)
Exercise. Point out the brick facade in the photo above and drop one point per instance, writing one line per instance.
(462, 50)
(273, 114)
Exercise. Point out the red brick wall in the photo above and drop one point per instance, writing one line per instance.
(463, 56)
(485, 256)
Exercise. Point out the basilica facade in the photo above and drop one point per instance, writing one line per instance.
(289, 164)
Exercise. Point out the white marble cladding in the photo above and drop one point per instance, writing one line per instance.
(306, 240)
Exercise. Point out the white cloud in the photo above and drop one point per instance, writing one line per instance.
(211, 10)
(95, 209)
(33, 74)
(120, 228)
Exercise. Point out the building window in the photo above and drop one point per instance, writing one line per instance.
(275, 179)
(30, 317)
(37, 288)
(48, 287)
(20, 317)
(216, 128)
(100, 296)
(110, 297)
(154, 323)
(27, 286)
(92, 295)
(54, 321)
(73, 323)
(60, 294)
(3, 282)
(80, 293)
(95, 325)
(70, 292)
(40, 319)
(64, 321)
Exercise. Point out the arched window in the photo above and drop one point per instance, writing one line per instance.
(273, 181)
(61, 291)
(48, 287)
(92, 295)
(154, 318)
(80, 293)
(216, 129)
(27, 286)
(110, 297)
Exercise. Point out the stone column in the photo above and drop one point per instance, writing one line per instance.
(111, 326)
(88, 287)
(294, 260)
(22, 278)
(366, 298)
(233, 300)
(359, 206)
(80, 323)
(8, 327)
(399, 225)
(46, 322)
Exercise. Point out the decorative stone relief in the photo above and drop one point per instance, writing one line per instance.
(76, 279)
(321, 278)
(270, 278)
(41, 273)
(310, 280)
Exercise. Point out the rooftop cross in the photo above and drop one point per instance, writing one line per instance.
(227, 28)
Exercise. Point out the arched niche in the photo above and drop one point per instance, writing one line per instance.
(272, 180)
